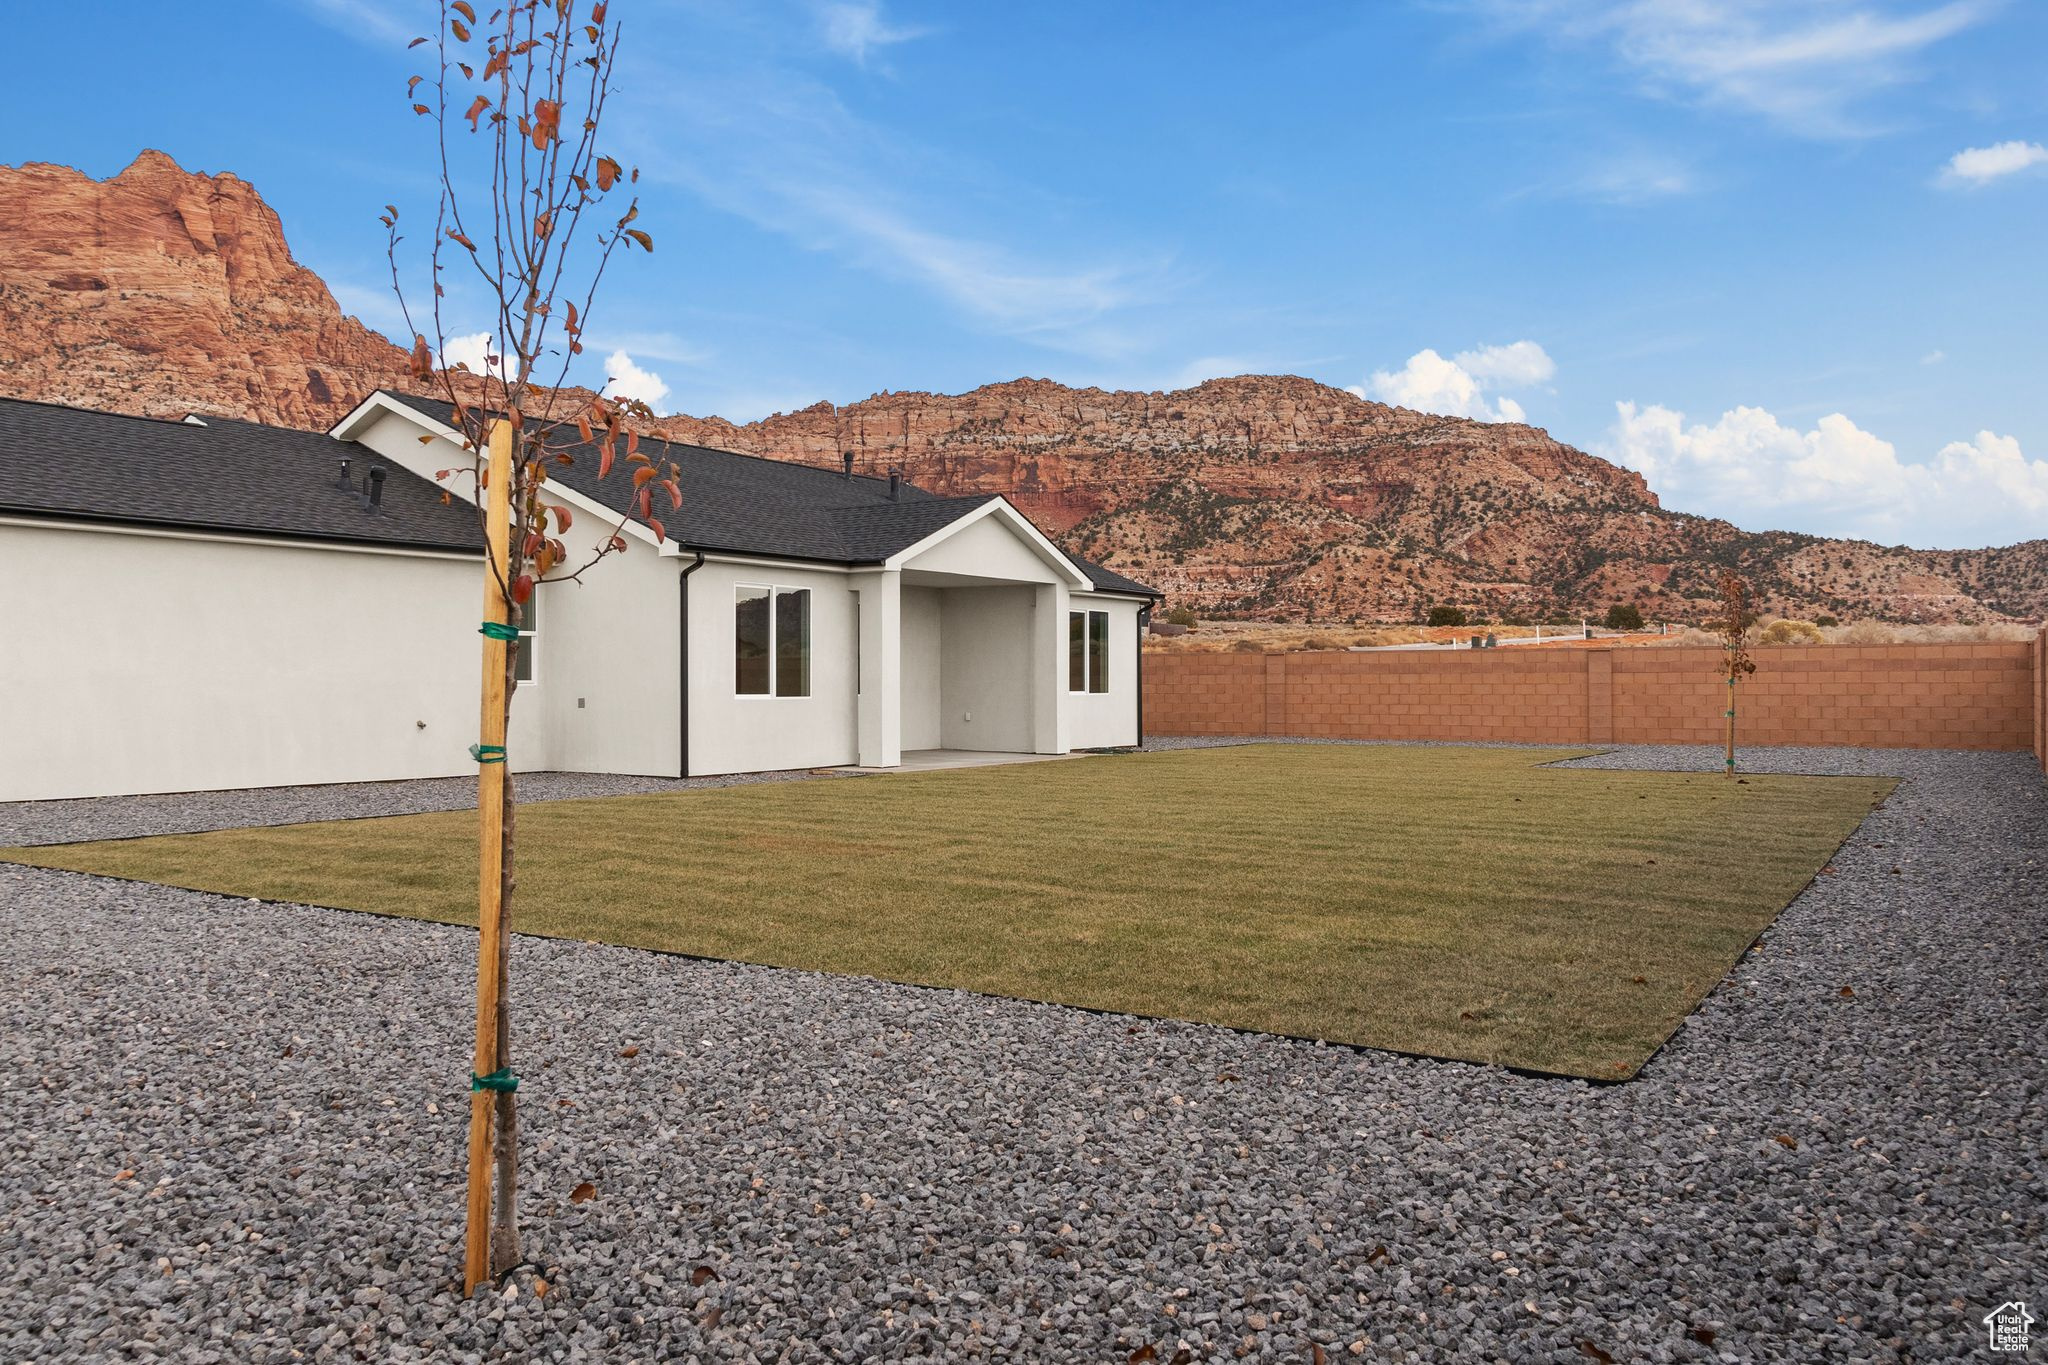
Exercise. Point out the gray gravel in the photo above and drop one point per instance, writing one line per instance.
(127, 817)
(874, 1171)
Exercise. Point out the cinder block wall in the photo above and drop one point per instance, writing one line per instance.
(1973, 696)
(2041, 698)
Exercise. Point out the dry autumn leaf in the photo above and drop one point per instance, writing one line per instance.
(583, 1193)
(701, 1276)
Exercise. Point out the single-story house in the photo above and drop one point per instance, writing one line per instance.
(215, 603)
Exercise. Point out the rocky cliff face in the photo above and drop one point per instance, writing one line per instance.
(162, 292)
(1275, 496)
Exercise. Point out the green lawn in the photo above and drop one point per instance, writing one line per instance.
(1458, 902)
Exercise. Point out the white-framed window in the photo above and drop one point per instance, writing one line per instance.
(529, 640)
(771, 638)
(1087, 651)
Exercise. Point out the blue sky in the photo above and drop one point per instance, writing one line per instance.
(1785, 256)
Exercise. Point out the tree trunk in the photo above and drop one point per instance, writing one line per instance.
(505, 1251)
(1728, 765)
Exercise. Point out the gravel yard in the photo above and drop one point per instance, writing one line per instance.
(128, 817)
(234, 1132)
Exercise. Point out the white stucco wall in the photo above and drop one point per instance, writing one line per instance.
(987, 670)
(144, 662)
(734, 734)
(1098, 720)
(608, 667)
(924, 634)
(607, 677)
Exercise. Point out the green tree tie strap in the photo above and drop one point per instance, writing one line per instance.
(502, 1080)
(499, 630)
(487, 753)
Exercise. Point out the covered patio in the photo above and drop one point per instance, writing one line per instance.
(961, 647)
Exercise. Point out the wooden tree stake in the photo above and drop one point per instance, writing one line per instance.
(490, 982)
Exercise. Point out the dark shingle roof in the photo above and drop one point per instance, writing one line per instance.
(750, 504)
(234, 476)
(747, 504)
(1109, 580)
(227, 475)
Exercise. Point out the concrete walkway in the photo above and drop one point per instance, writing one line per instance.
(935, 760)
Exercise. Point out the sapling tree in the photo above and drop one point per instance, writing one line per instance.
(531, 211)
(1736, 664)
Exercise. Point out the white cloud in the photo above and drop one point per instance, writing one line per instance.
(1624, 178)
(1934, 357)
(378, 23)
(782, 151)
(653, 346)
(1836, 479)
(473, 350)
(1459, 387)
(855, 28)
(628, 380)
(1514, 366)
(1635, 180)
(1804, 63)
(1975, 166)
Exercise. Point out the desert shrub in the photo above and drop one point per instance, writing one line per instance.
(1322, 642)
(1959, 635)
(1792, 633)
(1866, 633)
(1181, 616)
(1623, 616)
(1825, 621)
(1447, 616)
(1246, 647)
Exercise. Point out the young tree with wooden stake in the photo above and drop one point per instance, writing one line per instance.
(525, 200)
(1735, 623)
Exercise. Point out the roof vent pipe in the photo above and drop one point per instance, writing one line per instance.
(344, 483)
(895, 483)
(376, 487)
(846, 458)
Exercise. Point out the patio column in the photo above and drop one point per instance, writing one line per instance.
(1049, 680)
(878, 709)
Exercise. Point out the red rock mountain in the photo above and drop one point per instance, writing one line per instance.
(161, 291)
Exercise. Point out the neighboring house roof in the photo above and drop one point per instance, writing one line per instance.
(226, 476)
(751, 504)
